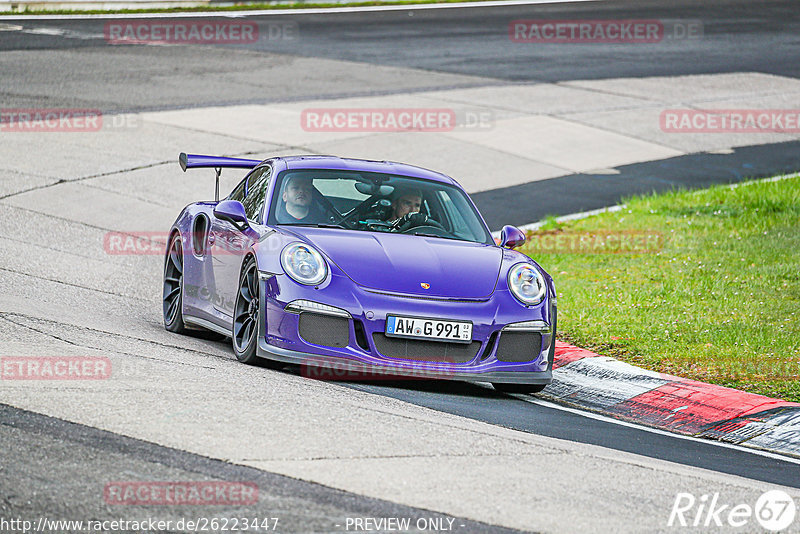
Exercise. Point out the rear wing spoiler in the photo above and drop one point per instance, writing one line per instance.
(197, 161)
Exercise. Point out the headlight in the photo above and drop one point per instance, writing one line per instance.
(304, 264)
(526, 283)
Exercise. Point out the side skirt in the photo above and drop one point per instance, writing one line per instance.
(208, 325)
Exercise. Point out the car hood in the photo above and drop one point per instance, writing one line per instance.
(400, 263)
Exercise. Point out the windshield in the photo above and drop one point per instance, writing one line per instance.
(375, 202)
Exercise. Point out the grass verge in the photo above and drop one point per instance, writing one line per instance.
(700, 284)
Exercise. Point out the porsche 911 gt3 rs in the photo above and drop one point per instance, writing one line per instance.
(356, 264)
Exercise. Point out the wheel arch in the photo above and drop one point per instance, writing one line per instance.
(173, 231)
(250, 254)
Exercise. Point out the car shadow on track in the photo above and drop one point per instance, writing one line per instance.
(410, 385)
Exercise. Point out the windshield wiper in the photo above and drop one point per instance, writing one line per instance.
(320, 225)
(423, 234)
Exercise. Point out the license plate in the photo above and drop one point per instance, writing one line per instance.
(432, 329)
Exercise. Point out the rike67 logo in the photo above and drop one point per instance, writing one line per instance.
(774, 511)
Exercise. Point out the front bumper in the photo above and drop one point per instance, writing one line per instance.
(322, 367)
(359, 357)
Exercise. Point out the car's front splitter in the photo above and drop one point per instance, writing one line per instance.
(328, 368)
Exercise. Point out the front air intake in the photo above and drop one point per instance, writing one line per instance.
(325, 330)
(426, 351)
(519, 346)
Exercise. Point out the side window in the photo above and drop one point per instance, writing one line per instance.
(459, 226)
(239, 191)
(256, 191)
(457, 221)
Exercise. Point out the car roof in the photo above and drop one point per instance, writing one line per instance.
(364, 165)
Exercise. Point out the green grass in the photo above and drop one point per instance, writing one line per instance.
(237, 7)
(717, 300)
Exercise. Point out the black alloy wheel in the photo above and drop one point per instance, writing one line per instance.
(173, 287)
(246, 314)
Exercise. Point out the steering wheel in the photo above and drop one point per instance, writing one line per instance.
(346, 219)
(407, 223)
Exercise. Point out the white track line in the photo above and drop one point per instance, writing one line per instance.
(606, 419)
(758, 181)
(570, 217)
(619, 207)
(285, 12)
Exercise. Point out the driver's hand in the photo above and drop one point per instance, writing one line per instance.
(412, 219)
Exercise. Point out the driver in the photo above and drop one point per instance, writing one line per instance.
(298, 202)
(406, 203)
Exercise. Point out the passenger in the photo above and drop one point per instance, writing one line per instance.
(299, 206)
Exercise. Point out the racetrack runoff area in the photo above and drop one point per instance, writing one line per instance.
(66, 294)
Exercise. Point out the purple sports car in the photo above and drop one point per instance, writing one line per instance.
(353, 264)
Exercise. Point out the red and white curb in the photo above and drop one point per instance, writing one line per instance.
(623, 391)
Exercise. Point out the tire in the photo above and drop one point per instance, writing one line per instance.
(246, 314)
(519, 388)
(172, 297)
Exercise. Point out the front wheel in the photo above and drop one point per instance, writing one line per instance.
(246, 314)
(519, 388)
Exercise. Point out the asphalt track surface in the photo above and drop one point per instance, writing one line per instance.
(738, 35)
(471, 401)
(52, 446)
(449, 48)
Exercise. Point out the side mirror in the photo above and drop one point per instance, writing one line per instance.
(511, 237)
(233, 211)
